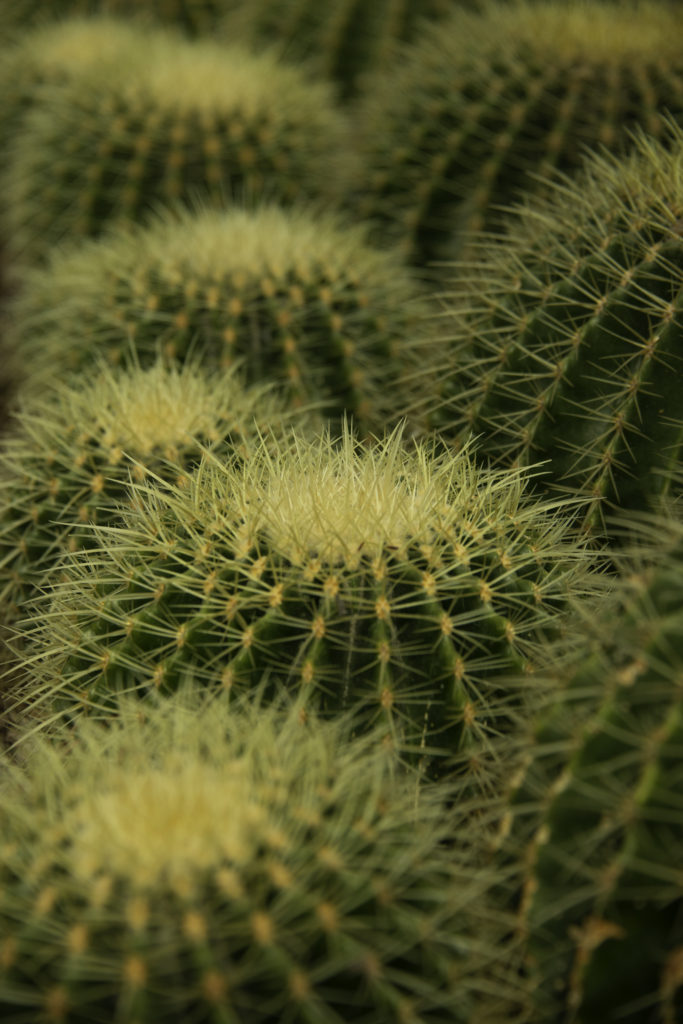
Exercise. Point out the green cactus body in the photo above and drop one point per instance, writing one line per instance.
(483, 101)
(225, 866)
(298, 297)
(572, 348)
(342, 39)
(195, 17)
(596, 823)
(408, 588)
(185, 121)
(71, 455)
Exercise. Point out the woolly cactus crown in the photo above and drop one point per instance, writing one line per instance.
(202, 863)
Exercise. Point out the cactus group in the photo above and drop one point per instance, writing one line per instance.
(413, 589)
(220, 866)
(183, 121)
(572, 351)
(297, 296)
(487, 102)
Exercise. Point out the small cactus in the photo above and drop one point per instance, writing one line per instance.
(411, 588)
(71, 455)
(205, 864)
(594, 826)
(299, 297)
(571, 350)
(487, 103)
(182, 121)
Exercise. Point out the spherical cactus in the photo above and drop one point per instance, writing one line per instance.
(184, 120)
(595, 825)
(411, 588)
(71, 455)
(486, 103)
(299, 297)
(341, 39)
(572, 348)
(215, 866)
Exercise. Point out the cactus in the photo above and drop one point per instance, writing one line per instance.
(195, 17)
(224, 866)
(571, 350)
(342, 39)
(484, 99)
(71, 455)
(300, 297)
(594, 826)
(183, 120)
(411, 588)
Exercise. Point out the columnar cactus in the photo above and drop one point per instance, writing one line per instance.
(300, 298)
(185, 119)
(595, 823)
(486, 102)
(413, 589)
(71, 456)
(572, 348)
(224, 866)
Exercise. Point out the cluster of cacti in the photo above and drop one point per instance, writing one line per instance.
(487, 103)
(572, 349)
(297, 296)
(175, 121)
(411, 588)
(225, 866)
(593, 838)
(310, 718)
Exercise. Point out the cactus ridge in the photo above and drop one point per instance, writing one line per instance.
(594, 827)
(187, 119)
(413, 589)
(230, 865)
(484, 101)
(71, 455)
(570, 349)
(296, 295)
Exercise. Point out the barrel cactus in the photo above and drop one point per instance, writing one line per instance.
(71, 455)
(567, 340)
(408, 587)
(186, 120)
(484, 99)
(212, 865)
(297, 295)
(594, 824)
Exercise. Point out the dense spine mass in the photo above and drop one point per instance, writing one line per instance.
(484, 103)
(215, 865)
(568, 340)
(297, 298)
(184, 121)
(595, 822)
(415, 590)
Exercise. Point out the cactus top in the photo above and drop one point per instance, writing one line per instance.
(230, 865)
(488, 104)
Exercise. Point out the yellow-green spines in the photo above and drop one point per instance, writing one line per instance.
(595, 824)
(206, 864)
(485, 101)
(71, 455)
(300, 298)
(569, 340)
(184, 120)
(415, 590)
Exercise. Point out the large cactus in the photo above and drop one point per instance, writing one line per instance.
(299, 297)
(183, 120)
(70, 456)
(593, 839)
(414, 589)
(210, 865)
(568, 338)
(483, 100)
